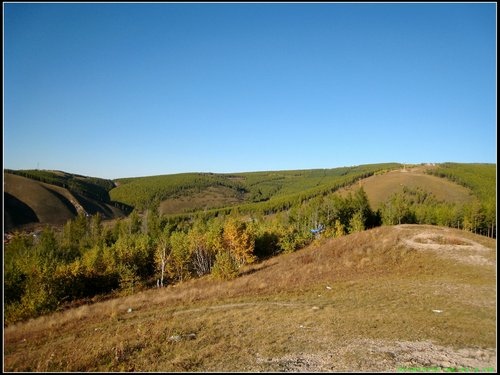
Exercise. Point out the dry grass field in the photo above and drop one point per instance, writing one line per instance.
(381, 300)
(380, 187)
(211, 197)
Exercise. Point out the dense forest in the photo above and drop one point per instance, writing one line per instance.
(86, 259)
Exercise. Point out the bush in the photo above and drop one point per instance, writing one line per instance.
(225, 267)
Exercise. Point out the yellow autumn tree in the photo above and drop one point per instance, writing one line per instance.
(239, 241)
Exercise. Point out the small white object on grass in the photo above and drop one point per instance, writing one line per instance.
(328, 287)
(437, 311)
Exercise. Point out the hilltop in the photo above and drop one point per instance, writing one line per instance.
(379, 300)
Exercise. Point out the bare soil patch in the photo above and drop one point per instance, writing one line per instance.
(449, 245)
(386, 356)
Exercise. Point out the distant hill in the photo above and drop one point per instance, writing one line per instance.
(271, 190)
(53, 197)
(380, 187)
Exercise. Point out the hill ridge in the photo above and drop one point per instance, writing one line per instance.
(184, 194)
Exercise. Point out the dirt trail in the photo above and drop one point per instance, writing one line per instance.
(448, 245)
(380, 355)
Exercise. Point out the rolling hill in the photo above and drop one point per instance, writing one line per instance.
(380, 187)
(30, 201)
(251, 190)
(52, 197)
(393, 298)
(274, 191)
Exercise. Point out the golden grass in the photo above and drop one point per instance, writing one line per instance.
(211, 197)
(379, 188)
(315, 303)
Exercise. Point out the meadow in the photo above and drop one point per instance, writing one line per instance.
(377, 300)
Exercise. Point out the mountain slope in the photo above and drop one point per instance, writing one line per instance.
(381, 300)
(29, 201)
(50, 204)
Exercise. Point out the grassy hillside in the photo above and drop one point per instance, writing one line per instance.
(254, 190)
(143, 191)
(49, 203)
(380, 300)
(53, 197)
(91, 187)
(480, 178)
(381, 186)
(208, 198)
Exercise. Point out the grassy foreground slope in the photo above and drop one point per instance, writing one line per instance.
(379, 300)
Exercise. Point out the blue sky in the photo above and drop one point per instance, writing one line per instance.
(120, 89)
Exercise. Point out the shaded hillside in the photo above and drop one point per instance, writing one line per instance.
(30, 201)
(49, 205)
(17, 213)
(385, 299)
(91, 187)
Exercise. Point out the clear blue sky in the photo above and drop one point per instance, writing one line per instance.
(120, 90)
